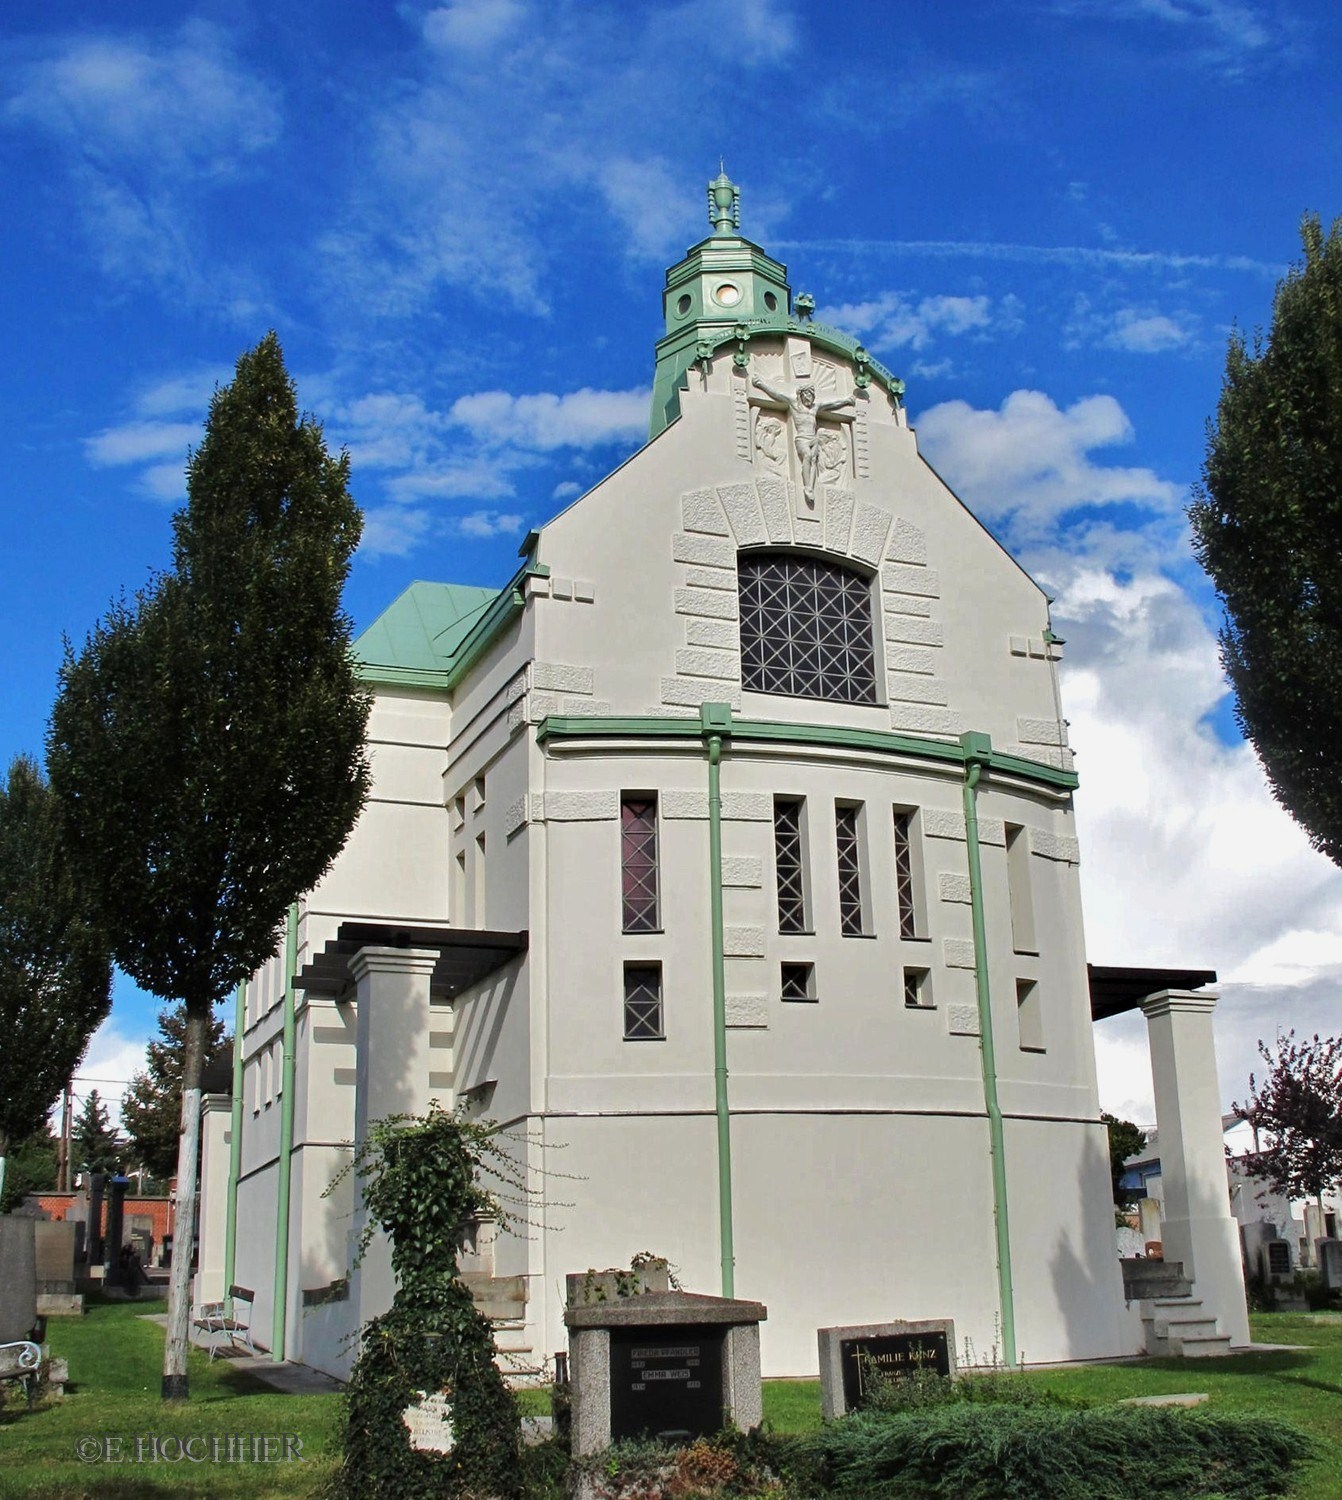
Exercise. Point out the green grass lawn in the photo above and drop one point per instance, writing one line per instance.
(116, 1364)
(116, 1360)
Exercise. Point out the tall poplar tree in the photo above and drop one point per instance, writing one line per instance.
(207, 742)
(55, 975)
(1266, 526)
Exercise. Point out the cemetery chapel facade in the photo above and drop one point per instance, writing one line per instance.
(726, 855)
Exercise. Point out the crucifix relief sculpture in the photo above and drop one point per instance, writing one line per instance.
(808, 438)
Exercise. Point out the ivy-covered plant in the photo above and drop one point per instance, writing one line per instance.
(420, 1181)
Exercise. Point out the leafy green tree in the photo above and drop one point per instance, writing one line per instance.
(1125, 1140)
(55, 975)
(152, 1105)
(1296, 1115)
(32, 1168)
(1266, 522)
(207, 742)
(94, 1142)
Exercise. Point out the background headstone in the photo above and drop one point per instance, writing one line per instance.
(899, 1348)
(1330, 1264)
(18, 1278)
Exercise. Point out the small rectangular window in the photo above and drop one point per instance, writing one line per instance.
(643, 1003)
(797, 982)
(848, 848)
(918, 989)
(638, 863)
(479, 790)
(1029, 1015)
(904, 888)
(478, 917)
(1020, 892)
(459, 913)
(790, 865)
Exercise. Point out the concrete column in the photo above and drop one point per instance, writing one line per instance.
(391, 1078)
(1198, 1228)
(215, 1122)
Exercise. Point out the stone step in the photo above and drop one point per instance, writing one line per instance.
(1212, 1346)
(1185, 1328)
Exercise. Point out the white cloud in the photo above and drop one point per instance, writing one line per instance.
(395, 530)
(1149, 333)
(895, 320)
(1030, 462)
(190, 392)
(545, 421)
(136, 442)
(566, 490)
(114, 1056)
(472, 25)
(487, 523)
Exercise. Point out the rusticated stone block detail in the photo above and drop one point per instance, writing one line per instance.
(748, 807)
(954, 888)
(581, 807)
(777, 510)
(697, 662)
(904, 604)
(871, 526)
(1060, 758)
(962, 1020)
(516, 687)
(902, 578)
(808, 532)
(992, 831)
(912, 628)
(1054, 846)
(838, 519)
(584, 707)
(684, 802)
(515, 817)
(748, 1011)
(907, 543)
(943, 823)
(517, 715)
(711, 578)
(690, 692)
(710, 551)
(743, 942)
(1041, 732)
(743, 514)
(908, 659)
(958, 953)
(713, 603)
(540, 706)
(584, 591)
(924, 718)
(724, 634)
(743, 870)
(556, 677)
(700, 511)
(907, 687)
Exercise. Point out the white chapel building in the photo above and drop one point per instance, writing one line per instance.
(725, 857)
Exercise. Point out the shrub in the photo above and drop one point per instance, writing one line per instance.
(928, 1389)
(972, 1451)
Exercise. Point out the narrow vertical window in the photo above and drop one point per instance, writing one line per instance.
(643, 1003)
(1021, 896)
(460, 914)
(848, 848)
(918, 989)
(480, 880)
(790, 866)
(638, 863)
(1029, 1015)
(908, 915)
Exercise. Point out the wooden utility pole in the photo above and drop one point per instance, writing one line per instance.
(63, 1150)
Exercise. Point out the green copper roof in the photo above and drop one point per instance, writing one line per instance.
(725, 290)
(422, 630)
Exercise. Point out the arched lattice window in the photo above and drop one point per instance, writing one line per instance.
(806, 629)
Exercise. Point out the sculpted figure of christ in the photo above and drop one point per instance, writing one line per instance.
(806, 435)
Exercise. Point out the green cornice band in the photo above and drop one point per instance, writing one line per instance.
(823, 736)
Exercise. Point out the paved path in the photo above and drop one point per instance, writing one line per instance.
(280, 1375)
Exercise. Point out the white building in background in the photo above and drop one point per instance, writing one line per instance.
(727, 857)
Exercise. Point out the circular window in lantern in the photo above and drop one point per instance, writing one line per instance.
(771, 302)
(728, 294)
(683, 306)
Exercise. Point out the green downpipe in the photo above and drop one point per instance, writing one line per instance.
(280, 1312)
(234, 1144)
(716, 719)
(978, 750)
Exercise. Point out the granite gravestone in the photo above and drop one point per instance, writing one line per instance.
(849, 1355)
(672, 1364)
(18, 1278)
(1330, 1265)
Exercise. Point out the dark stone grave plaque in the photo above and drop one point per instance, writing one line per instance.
(1278, 1258)
(666, 1381)
(894, 1354)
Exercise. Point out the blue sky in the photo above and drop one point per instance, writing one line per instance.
(1045, 216)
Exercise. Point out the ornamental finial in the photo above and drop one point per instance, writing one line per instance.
(724, 203)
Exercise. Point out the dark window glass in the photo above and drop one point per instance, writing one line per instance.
(638, 863)
(850, 871)
(904, 876)
(916, 995)
(643, 1003)
(788, 861)
(806, 629)
(798, 981)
